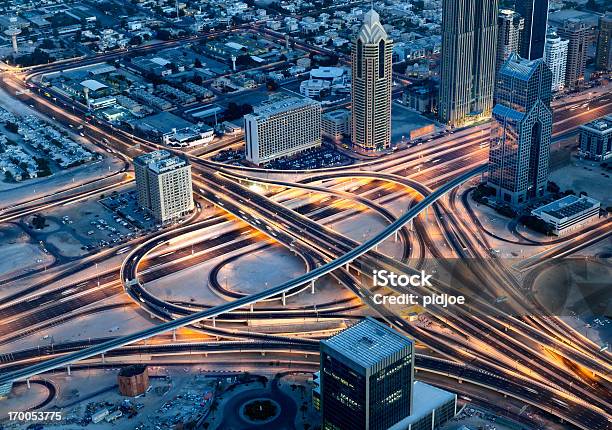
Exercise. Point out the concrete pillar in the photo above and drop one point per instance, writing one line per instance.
(174, 335)
(28, 382)
(251, 307)
(312, 287)
(284, 299)
(214, 322)
(68, 369)
(103, 358)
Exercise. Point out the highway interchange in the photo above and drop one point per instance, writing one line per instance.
(534, 358)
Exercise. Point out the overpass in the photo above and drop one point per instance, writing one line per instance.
(244, 301)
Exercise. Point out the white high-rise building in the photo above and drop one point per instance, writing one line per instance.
(371, 89)
(282, 128)
(555, 57)
(163, 183)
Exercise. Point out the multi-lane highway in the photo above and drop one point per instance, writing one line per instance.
(504, 352)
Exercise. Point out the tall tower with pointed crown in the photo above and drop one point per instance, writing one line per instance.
(371, 89)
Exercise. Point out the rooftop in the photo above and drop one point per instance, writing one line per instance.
(165, 122)
(520, 67)
(601, 125)
(271, 108)
(160, 161)
(425, 398)
(93, 85)
(368, 342)
(567, 207)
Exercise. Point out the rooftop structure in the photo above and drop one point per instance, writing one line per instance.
(368, 342)
(569, 213)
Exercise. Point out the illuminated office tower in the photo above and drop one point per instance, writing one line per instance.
(604, 43)
(371, 87)
(533, 37)
(521, 133)
(467, 77)
(576, 32)
(367, 372)
(366, 382)
(509, 27)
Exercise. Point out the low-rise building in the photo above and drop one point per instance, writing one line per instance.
(568, 213)
(133, 380)
(172, 130)
(314, 87)
(596, 139)
(282, 128)
(336, 124)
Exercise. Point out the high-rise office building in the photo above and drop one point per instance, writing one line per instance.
(366, 377)
(555, 57)
(163, 183)
(520, 137)
(371, 88)
(603, 60)
(467, 76)
(533, 37)
(281, 128)
(510, 24)
(576, 32)
(366, 382)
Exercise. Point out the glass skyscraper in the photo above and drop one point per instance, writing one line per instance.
(467, 75)
(533, 37)
(521, 133)
(366, 377)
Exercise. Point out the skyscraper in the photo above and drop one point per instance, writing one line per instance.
(533, 37)
(576, 32)
(469, 40)
(555, 57)
(604, 43)
(371, 88)
(510, 24)
(367, 372)
(521, 134)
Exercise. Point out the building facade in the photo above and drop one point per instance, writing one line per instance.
(510, 24)
(520, 137)
(596, 139)
(163, 183)
(576, 32)
(282, 128)
(555, 57)
(366, 377)
(336, 124)
(533, 37)
(467, 76)
(603, 60)
(372, 75)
